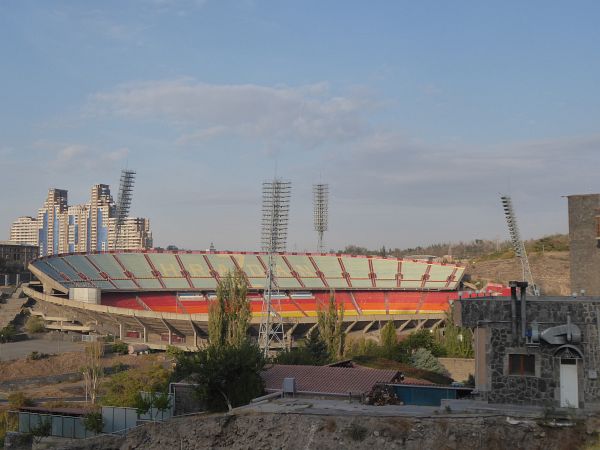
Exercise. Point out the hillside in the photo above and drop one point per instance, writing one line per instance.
(550, 271)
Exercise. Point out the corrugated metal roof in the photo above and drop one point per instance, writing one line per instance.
(329, 380)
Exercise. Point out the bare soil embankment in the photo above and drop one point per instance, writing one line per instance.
(550, 271)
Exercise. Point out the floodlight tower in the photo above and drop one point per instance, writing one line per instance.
(275, 211)
(123, 202)
(321, 210)
(517, 242)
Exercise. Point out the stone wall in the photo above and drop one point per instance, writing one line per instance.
(543, 388)
(585, 254)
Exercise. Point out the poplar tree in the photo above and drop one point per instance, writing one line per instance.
(330, 323)
(229, 314)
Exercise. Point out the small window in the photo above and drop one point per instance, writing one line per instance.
(521, 364)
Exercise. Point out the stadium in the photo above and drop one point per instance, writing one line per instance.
(161, 297)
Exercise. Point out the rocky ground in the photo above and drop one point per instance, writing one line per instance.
(306, 431)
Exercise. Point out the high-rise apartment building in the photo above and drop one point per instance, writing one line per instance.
(60, 228)
(135, 233)
(49, 219)
(24, 230)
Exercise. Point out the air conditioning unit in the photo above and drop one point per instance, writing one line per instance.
(289, 386)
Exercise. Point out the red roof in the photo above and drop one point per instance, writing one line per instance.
(329, 380)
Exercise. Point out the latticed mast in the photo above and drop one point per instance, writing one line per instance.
(517, 242)
(321, 210)
(275, 212)
(123, 203)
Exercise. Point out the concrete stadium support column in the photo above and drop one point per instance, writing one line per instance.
(18, 281)
(5, 280)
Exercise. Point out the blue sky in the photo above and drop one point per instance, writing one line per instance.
(417, 113)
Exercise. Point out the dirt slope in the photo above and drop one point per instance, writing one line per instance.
(550, 271)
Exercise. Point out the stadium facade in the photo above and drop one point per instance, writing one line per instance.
(161, 297)
(60, 228)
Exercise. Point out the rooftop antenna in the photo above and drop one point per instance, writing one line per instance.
(517, 242)
(275, 211)
(123, 202)
(321, 211)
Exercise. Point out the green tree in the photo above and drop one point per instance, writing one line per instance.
(148, 401)
(389, 341)
(330, 323)
(362, 347)
(227, 376)
(229, 314)
(456, 341)
(312, 352)
(123, 388)
(421, 339)
(316, 348)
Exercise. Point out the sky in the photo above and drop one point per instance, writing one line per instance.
(417, 114)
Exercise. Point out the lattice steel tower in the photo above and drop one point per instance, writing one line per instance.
(123, 202)
(275, 212)
(517, 242)
(321, 210)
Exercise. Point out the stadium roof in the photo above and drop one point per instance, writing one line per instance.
(201, 271)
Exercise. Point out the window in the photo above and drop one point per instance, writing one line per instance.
(521, 364)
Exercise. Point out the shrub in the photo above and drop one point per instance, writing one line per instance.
(35, 325)
(42, 429)
(120, 348)
(424, 359)
(357, 432)
(174, 352)
(19, 399)
(8, 422)
(123, 388)
(36, 356)
(118, 367)
(7, 334)
(93, 422)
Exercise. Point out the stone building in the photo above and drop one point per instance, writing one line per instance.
(535, 351)
(16, 255)
(584, 242)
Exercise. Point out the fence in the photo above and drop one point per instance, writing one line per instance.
(60, 426)
(116, 420)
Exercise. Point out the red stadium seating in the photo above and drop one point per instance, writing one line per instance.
(161, 302)
(195, 306)
(121, 300)
(358, 302)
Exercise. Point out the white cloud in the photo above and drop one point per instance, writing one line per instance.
(81, 156)
(309, 115)
(70, 153)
